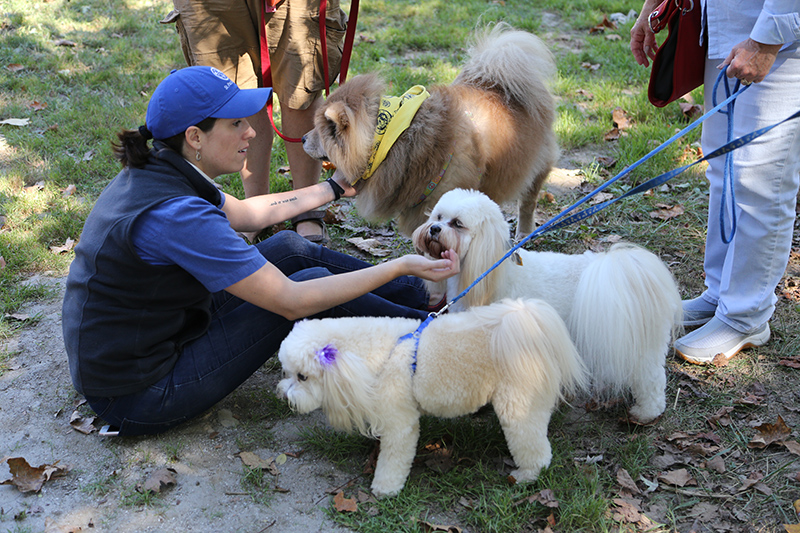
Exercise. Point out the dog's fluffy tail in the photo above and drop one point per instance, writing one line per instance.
(532, 346)
(515, 63)
(626, 302)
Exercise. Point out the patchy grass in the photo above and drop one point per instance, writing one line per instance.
(76, 97)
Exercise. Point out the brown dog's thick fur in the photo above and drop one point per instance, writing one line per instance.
(495, 119)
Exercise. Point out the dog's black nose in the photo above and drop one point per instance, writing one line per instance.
(435, 230)
(303, 138)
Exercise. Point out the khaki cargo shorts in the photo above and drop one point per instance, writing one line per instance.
(224, 34)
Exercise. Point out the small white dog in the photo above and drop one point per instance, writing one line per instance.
(516, 354)
(622, 307)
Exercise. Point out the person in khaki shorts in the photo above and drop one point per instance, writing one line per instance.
(225, 34)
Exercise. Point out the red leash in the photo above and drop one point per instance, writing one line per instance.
(266, 71)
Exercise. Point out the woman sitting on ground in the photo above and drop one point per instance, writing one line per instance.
(166, 309)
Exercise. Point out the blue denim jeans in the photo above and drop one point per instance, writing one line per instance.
(242, 337)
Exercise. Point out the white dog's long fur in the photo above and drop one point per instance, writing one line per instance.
(622, 306)
(516, 354)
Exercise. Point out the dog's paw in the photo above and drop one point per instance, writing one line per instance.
(380, 491)
(643, 416)
(525, 475)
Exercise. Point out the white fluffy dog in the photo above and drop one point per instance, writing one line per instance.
(516, 354)
(622, 307)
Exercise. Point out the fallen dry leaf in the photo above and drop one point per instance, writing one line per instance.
(29, 479)
(162, 478)
(36, 187)
(68, 245)
(621, 118)
(690, 111)
(64, 42)
(69, 190)
(667, 212)
(344, 505)
(590, 66)
(792, 445)
(371, 246)
(626, 481)
(254, 461)
(717, 464)
(679, 478)
(15, 67)
(16, 121)
(754, 482)
(602, 25)
(606, 161)
(83, 424)
(721, 417)
(38, 106)
(791, 362)
(612, 135)
(769, 434)
(625, 512)
(600, 198)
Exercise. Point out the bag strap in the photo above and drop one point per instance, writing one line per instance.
(268, 6)
(660, 16)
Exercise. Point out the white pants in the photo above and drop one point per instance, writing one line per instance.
(741, 276)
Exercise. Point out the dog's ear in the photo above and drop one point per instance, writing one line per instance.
(340, 115)
(417, 237)
(349, 389)
(488, 242)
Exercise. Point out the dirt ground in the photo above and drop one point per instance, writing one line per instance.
(36, 404)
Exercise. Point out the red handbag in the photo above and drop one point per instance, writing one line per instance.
(679, 62)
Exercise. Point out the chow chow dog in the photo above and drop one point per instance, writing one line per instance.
(491, 129)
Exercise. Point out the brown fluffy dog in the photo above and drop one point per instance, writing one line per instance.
(495, 119)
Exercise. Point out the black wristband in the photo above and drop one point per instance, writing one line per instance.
(337, 189)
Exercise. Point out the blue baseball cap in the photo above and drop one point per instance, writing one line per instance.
(192, 94)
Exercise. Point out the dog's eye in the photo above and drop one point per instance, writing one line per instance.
(456, 223)
(301, 377)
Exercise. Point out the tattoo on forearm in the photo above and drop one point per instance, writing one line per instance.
(284, 201)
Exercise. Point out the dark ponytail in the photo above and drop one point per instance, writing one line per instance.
(132, 149)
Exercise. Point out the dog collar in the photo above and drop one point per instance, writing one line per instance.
(434, 182)
(394, 117)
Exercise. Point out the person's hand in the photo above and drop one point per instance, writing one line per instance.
(750, 61)
(433, 269)
(643, 40)
(339, 178)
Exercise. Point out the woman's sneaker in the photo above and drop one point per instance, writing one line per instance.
(717, 342)
(697, 312)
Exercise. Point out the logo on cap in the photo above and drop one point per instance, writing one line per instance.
(218, 73)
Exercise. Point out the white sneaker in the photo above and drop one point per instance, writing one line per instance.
(697, 312)
(717, 342)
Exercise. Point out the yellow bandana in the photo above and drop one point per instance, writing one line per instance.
(394, 117)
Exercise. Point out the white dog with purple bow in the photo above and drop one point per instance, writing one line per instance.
(369, 375)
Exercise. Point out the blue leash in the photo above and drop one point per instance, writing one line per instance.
(727, 175)
(561, 220)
